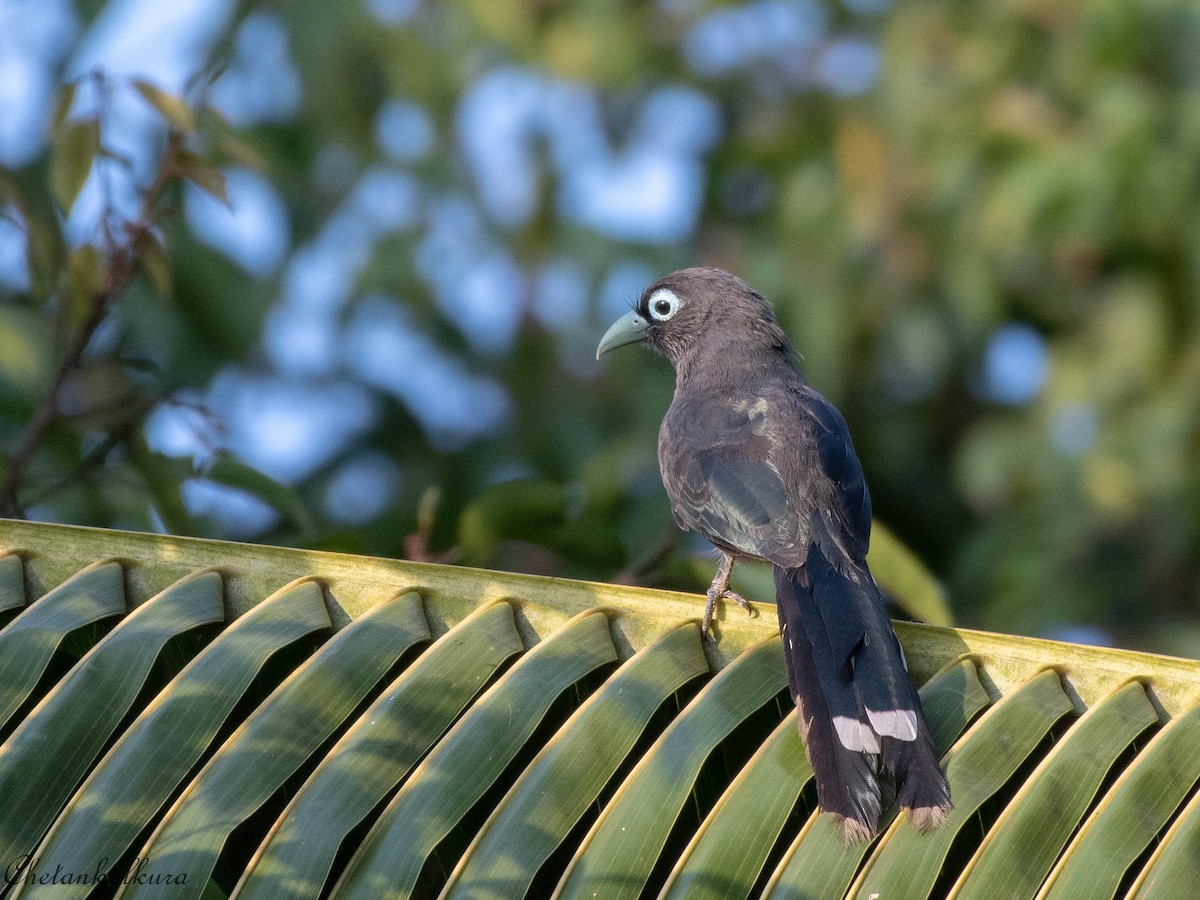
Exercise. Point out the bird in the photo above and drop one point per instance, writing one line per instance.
(762, 465)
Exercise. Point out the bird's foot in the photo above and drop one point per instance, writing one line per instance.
(720, 588)
(715, 593)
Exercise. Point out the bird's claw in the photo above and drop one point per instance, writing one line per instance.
(718, 589)
(740, 601)
(715, 594)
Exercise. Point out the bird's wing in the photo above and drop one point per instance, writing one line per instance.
(848, 508)
(767, 477)
(719, 469)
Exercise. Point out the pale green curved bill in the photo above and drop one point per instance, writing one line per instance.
(628, 329)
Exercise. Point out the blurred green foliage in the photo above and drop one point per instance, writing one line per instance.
(1015, 162)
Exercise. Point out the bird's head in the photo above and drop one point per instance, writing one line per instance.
(695, 309)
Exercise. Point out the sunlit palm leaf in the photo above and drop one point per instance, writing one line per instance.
(1174, 868)
(279, 736)
(467, 762)
(727, 853)
(133, 782)
(622, 848)
(376, 753)
(1027, 838)
(29, 641)
(553, 734)
(1131, 814)
(12, 583)
(559, 785)
(51, 751)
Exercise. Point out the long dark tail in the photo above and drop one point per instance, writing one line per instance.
(859, 713)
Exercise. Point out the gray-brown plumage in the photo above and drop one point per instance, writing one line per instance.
(762, 465)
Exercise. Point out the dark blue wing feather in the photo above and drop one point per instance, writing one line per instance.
(840, 464)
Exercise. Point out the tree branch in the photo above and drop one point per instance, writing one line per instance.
(122, 264)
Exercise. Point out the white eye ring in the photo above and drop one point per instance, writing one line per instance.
(663, 304)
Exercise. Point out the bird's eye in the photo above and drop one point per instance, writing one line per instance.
(663, 304)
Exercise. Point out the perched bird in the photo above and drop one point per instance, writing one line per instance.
(762, 465)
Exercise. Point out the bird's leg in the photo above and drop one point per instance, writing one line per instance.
(720, 588)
